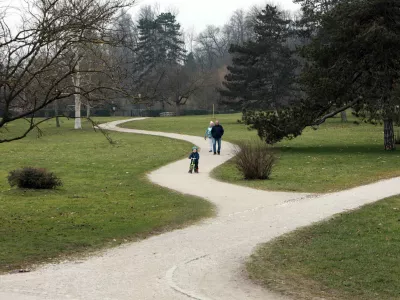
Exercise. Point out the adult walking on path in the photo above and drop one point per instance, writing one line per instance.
(217, 132)
(209, 136)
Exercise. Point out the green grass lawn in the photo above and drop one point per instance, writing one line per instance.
(105, 201)
(352, 256)
(335, 157)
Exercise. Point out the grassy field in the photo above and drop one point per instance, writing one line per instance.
(353, 256)
(105, 201)
(337, 156)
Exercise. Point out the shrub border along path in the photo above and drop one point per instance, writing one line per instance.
(204, 261)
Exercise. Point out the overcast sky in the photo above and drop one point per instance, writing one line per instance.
(195, 14)
(199, 13)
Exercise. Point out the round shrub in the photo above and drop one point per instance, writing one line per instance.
(33, 178)
(254, 159)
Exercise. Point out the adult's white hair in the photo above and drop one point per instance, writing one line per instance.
(212, 123)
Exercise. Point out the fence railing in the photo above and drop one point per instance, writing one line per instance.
(167, 114)
(45, 113)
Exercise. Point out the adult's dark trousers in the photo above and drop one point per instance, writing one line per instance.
(215, 143)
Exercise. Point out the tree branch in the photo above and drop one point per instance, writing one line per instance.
(334, 113)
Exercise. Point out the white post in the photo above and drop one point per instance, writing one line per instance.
(76, 79)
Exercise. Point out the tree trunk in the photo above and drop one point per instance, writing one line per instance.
(343, 114)
(389, 134)
(88, 110)
(56, 113)
(78, 104)
(76, 79)
(177, 109)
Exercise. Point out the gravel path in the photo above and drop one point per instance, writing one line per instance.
(204, 261)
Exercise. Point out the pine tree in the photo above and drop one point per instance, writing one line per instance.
(160, 41)
(312, 14)
(170, 41)
(163, 57)
(262, 73)
(353, 62)
(148, 43)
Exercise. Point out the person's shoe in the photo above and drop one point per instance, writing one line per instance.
(215, 153)
(190, 171)
(210, 151)
(219, 153)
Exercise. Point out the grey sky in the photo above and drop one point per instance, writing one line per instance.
(199, 13)
(191, 13)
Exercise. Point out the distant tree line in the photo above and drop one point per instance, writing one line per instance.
(92, 54)
(285, 71)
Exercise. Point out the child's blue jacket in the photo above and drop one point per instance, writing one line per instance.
(194, 155)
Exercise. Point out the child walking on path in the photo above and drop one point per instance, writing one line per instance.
(209, 136)
(194, 160)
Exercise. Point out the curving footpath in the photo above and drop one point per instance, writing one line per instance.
(204, 261)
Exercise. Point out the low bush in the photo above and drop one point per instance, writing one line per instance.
(255, 159)
(33, 178)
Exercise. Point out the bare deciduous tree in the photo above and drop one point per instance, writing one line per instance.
(236, 28)
(40, 57)
(181, 83)
(212, 46)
